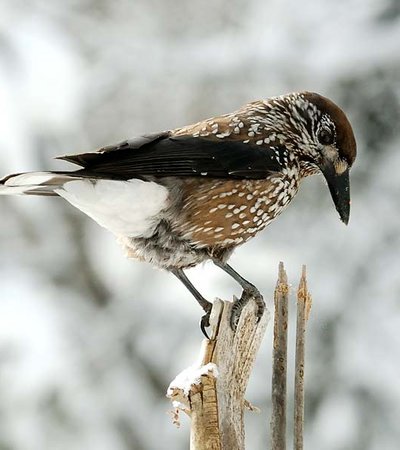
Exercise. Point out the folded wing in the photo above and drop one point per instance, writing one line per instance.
(163, 155)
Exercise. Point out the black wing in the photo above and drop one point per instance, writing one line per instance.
(163, 155)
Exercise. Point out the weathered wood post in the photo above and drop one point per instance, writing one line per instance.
(303, 311)
(212, 391)
(279, 362)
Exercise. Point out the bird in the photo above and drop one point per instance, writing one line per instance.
(180, 197)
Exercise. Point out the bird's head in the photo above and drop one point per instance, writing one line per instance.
(324, 143)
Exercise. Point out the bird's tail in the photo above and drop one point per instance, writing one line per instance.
(34, 183)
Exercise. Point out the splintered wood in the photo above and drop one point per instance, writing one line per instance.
(303, 311)
(212, 391)
(279, 362)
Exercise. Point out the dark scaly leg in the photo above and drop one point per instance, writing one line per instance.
(205, 304)
(249, 291)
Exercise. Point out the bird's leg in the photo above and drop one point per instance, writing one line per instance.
(205, 304)
(249, 291)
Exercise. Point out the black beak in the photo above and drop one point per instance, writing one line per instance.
(339, 186)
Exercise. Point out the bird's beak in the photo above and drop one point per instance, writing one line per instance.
(336, 173)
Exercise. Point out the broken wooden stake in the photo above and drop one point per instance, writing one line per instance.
(212, 391)
(303, 311)
(279, 362)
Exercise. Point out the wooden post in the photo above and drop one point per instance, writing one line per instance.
(303, 311)
(279, 362)
(212, 391)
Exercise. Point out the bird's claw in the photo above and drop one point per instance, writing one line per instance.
(240, 303)
(205, 322)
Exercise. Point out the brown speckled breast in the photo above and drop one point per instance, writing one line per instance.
(229, 212)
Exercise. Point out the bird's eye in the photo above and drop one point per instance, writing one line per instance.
(325, 136)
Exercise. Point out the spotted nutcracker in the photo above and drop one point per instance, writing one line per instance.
(181, 197)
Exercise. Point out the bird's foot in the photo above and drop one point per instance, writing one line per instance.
(238, 305)
(205, 320)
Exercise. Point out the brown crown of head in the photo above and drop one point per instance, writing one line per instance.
(345, 140)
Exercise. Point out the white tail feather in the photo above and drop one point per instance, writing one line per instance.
(40, 183)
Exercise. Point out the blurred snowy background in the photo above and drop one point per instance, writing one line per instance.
(88, 340)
